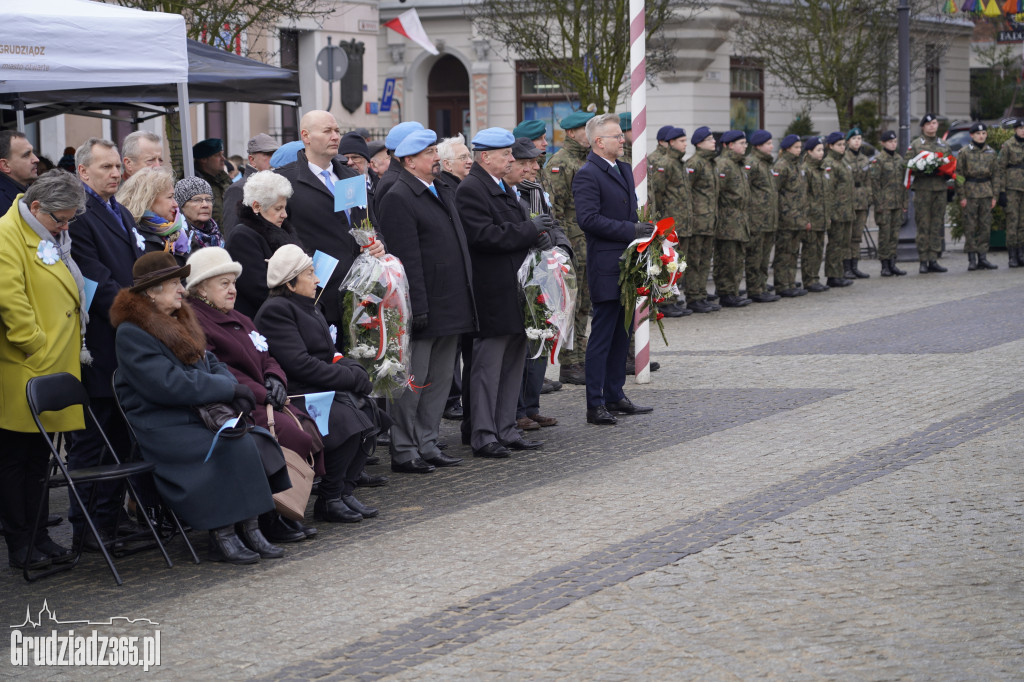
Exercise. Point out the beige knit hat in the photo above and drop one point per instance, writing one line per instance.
(209, 262)
(286, 263)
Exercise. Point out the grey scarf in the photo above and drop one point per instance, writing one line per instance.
(64, 248)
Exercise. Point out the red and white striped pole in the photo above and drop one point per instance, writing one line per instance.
(638, 107)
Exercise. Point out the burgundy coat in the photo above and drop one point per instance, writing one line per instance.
(228, 336)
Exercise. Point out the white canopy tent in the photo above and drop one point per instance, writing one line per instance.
(71, 44)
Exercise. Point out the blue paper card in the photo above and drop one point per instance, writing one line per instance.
(229, 424)
(90, 292)
(323, 266)
(318, 406)
(350, 193)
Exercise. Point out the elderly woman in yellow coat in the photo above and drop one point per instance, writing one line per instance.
(42, 315)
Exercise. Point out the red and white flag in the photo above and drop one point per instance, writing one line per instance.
(408, 24)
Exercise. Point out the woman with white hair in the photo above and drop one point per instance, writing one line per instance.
(262, 229)
(149, 196)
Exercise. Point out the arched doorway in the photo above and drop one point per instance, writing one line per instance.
(448, 97)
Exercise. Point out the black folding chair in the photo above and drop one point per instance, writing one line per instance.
(55, 392)
(163, 512)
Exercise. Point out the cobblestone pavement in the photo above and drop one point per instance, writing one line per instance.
(829, 488)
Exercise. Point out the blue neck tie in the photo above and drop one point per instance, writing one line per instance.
(501, 183)
(433, 190)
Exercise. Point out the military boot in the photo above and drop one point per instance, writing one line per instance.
(923, 269)
(985, 264)
(838, 282)
(933, 266)
(573, 374)
(848, 272)
(895, 269)
(886, 268)
(857, 271)
(972, 261)
(1014, 256)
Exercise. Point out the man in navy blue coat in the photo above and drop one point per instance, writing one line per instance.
(104, 244)
(605, 199)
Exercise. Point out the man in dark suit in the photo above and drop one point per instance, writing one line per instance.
(104, 244)
(18, 167)
(499, 235)
(391, 142)
(311, 207)
(605, 201)
(420, 222)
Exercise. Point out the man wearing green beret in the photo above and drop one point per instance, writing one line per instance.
(626, 123)
(536, 131)
(557, 177)
(208, 156)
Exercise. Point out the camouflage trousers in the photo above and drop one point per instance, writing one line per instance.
(787, 248)
(681, 248)
(930, 216)
(757, 258)
(860, 221)
(977, 222)
(812, 246)
(1014, 218)
(889, 222)
(578, 353)
(838, 247)
(699, 249)
(728, 266)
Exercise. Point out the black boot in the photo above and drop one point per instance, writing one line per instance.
(335, 510)
(1014, 253)
(895, 269)
(249, 531)
(923, 270)
(848, 272)
(933, 266)
(972, 262)
(225, 545)
(886, 268)
(274, 529)
(985, 264)
(358, 507)
(856, 271)
(838, 282)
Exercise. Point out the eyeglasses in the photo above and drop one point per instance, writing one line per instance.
(200, 200)
(620, 136)
(463, 157)
(60, 223)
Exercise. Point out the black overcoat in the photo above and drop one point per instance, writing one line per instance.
(252, 242)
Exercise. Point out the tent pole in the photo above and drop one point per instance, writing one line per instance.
(185, 118)
(19, 113)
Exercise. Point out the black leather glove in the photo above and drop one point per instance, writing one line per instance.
(1002, 200)
(544, 241)
(419, 322)
(643, 230)
(276, 393)
(543, 222)
(243, 400)
(363, 384)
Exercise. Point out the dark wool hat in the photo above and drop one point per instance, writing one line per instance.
(154, 268)
(669, 133)
(525, 149)
(700, 134)
(888, 135)
(531, 129)
(928, 118)
(730, 136)
(977, 128)
(759, 137)
(353, 143)
(207, 148)
(834, 137)
(788, 141)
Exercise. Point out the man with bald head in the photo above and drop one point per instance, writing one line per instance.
(311, 207)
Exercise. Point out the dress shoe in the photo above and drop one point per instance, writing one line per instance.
(335, 510)
(58, 554)
(543, 421)
(441, 444)
(253, 539)
(985, 263)
(492, 451)
(443, 460)
(764, 297)
(454, 412)
(933, 266)
(53, 520)
(626, 406)
(308, 531)
(550, 386)
(28, 557)
(225, 545)
(700, 307)
(526, 424)
(792, 293)
(366, 480)
(384, 438)
(573, 374)
(631, 366)
(523, 444)
(732, 301)
(816, 287)
(854, 262)
(413, 466)
(838, 282)
(895, 270)
(600, 415)
(273, 527)
(366, 511)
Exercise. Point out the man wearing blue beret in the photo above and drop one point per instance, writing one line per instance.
(839, 175)
(670, 191)
(704, 190)
(764, 216)
(733, 230)
(391, 142)
(791, 182)
(858, 158)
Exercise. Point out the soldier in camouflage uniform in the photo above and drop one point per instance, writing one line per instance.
(791, 183)
(977, 186)
(670, 189)
(860, 162)
(557, 178)
(1011, 174)
(704, 193)
(764, 216)
(929, 198)
(818, 211)
(626, 123)
(733, 231)
(889, 195)
(840, 177)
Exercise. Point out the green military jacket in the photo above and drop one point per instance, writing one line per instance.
(861, 165)
(704, 191)
(818, 194)
(627, 152)
(840, 176)
(977, 174)
(791, 182)
(218, 183)
(670, 187)
(764, 194)
(888, 181)
(733, 197)
(1011, 165)
(557, 177)
(929, 183)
